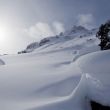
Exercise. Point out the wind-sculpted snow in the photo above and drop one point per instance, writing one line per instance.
(97, 65)
(29, 80)
(96, 62)
(92, 86)
(76, 100)
(61, 74)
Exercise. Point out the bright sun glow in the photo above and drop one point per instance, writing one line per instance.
(3, 33)
(4, 37)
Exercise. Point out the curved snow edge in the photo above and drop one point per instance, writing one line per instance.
(2, 62)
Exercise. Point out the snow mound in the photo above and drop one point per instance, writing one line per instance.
(76, 100)
(96, 62)
(97, 65)
(94, 85)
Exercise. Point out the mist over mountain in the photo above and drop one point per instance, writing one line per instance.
(74, 32)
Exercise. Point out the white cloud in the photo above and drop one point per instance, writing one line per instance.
(58, 27)
(42, 29)
(86, 20)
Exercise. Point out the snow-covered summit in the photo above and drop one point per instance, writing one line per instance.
(76, 29)
(74, 32)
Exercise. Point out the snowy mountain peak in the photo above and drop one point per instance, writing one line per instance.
(78, 28)
(75, 31)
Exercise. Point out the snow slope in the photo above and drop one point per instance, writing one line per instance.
(97, 66)
(61, 74)
(75, 32)
(28, 80)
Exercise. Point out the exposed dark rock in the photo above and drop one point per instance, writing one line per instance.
(97, 106)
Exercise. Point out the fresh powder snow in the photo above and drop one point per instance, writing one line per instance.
(62, 72)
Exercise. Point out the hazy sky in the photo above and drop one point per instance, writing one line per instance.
(25, 21)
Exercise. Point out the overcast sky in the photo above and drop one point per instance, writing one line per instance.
(25, 21)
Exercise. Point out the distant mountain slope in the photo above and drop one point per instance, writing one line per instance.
(74, 33)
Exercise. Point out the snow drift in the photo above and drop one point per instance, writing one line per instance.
(64, 72)
(94, 85)
(97, 65)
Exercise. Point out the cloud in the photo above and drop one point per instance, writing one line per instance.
(86, 20)
(58, 27)
(42, 29)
